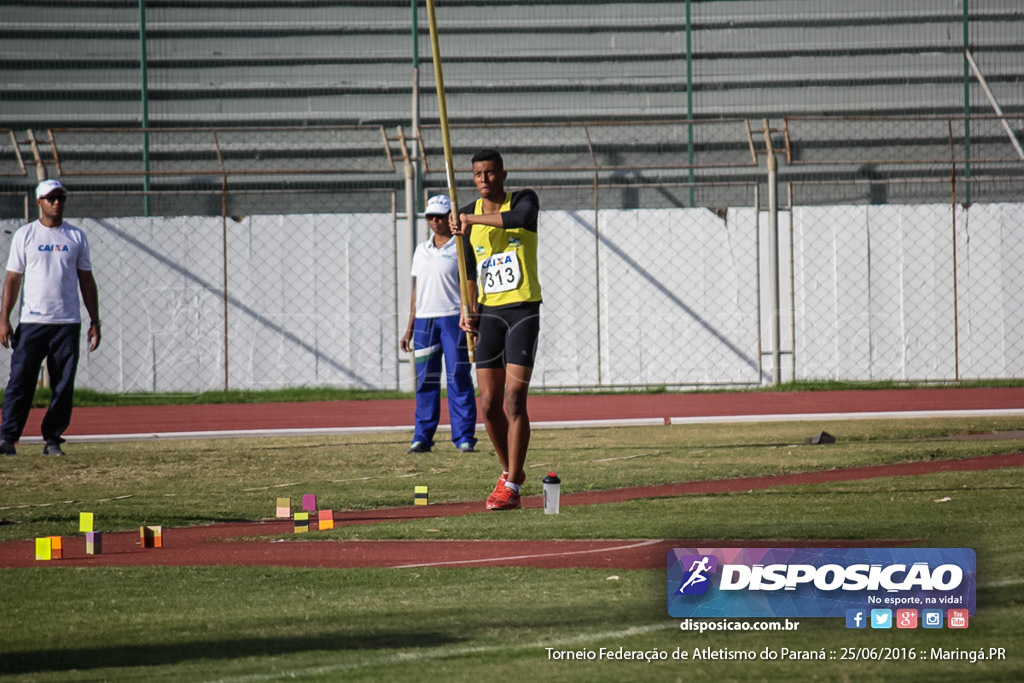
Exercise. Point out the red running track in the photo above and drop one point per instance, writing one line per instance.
(213, 545)
(543, 408)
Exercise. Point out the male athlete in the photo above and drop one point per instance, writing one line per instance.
(500, 231)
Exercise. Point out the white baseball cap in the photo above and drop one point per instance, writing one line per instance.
(48, 187)
(438, 205)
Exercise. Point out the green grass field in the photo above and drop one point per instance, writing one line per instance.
(268, 624)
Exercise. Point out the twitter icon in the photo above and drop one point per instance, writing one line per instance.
(881, 618)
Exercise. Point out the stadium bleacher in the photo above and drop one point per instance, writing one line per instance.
(309, 63)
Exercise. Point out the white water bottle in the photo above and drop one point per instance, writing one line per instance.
(552, 493)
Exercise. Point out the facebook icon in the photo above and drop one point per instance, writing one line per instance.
(856, 618)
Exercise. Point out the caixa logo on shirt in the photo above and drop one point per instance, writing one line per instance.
(53, 247)
(807, 582)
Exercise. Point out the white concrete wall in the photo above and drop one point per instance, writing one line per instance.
(644, 297)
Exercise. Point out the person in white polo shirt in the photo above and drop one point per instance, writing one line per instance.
(48, 265)
(433, 334)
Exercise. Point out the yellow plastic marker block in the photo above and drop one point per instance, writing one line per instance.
(421, 495)
(301, 522)
(85, 521)
(284, 508)
(325, 520)
(43, 548)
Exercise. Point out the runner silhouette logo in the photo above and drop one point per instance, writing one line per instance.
(696, 580)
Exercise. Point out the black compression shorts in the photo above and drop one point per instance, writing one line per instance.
(508, 334)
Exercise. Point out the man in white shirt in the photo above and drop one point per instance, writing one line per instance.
(51, 259)
(433, 333)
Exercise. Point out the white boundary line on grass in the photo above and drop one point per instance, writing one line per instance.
(444, 652)
(554, 424)
(223, 434)
(450, 563)
(326, 431)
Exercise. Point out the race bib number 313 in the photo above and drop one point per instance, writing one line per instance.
(500, 272)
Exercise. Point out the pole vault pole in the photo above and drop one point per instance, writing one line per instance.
(450, 171)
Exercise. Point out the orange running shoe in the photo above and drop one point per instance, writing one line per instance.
(497, 488)
(504, 499)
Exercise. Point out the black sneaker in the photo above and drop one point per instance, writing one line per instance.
(419, 447)
(7, 448)
(52, 448)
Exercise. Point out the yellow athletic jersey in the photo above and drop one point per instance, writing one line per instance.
(506, 258)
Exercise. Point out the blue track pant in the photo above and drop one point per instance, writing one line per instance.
(32, 342)
(434, 339)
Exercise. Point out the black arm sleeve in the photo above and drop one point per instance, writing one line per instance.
(467, 250)
(523, 211)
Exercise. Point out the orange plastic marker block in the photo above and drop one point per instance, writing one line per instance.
(325, 520)
(151, 536)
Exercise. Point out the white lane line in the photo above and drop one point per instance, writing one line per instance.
(554, 424)
(505, 558)
(817, 417)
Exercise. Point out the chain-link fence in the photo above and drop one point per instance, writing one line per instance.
(908, 292)
(193, 303)
(265, 258)
(251, 195)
